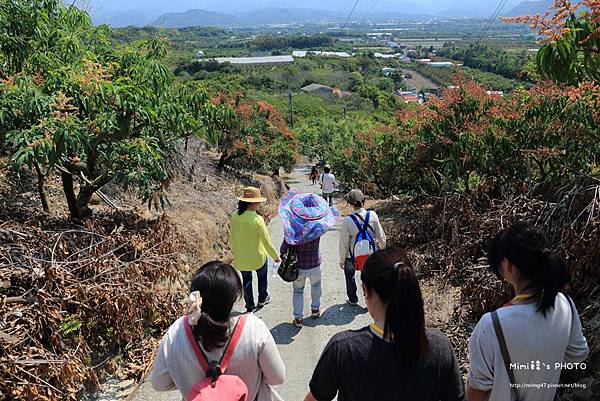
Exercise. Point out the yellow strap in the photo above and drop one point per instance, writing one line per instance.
(522, 296)
(377, 328)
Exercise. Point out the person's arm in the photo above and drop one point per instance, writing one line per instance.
(232, 243)
(578, 349)
(452, 387)
(379, 233)
(477, 395)
(265, 238)
(161, 377)
(481, 360)
(325, 381)
(344, 243)
(270, 362)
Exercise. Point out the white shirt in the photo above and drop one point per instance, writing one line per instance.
(530, 337)
(255, 360)
(349, 232)
(327, 181)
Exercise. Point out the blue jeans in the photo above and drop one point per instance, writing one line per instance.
(262, 285)
(328, 198)
(349, 272)
(314, 276)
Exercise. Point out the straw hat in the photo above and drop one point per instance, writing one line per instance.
(252, 195)
(305, 217)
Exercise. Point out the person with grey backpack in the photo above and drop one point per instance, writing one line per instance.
(518, 351)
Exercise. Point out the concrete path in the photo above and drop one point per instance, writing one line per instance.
(300, 348)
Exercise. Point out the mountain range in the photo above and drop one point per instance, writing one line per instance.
(286, 12)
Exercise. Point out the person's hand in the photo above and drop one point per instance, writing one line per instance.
(278, 260)
(341, 265)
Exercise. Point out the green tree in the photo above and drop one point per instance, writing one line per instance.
(105, 114)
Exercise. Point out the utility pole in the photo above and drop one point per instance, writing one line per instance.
(291, 110)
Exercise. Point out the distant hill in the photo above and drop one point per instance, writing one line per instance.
(278, 15)
(196, 17)
(459, 13)
(529, 8)
(120, 19)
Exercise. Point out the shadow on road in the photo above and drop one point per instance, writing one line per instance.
(284, 333)
(335, 315)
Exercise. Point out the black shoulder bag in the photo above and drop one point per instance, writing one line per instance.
(288, 269)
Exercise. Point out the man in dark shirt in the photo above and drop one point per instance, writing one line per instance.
(358, 365)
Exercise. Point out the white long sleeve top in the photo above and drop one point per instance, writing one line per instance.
(255, 360)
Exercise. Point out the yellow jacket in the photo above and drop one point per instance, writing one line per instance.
(250, 241)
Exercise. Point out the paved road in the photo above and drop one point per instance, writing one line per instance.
(299, 348)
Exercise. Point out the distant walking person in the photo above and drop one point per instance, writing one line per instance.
(305, 218)
(539, 328)
(314, 174)
(396, 357)
(364, 223)
(204, 336)
(251, 244)
(327, 181)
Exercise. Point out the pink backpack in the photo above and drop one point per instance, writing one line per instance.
(217, 386)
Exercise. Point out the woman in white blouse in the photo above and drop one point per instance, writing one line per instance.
(215, 288)
(540, 327)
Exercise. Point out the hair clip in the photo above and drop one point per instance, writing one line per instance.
(195, 309)
(397, 266)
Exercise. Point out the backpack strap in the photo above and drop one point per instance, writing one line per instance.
(195, 347)
(360, 227)
(504, 351)
(230, 347)
(365, 222)
(233, 341)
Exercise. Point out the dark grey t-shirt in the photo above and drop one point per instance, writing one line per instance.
(357, 365)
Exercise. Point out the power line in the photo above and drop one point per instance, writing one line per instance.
(350, 15)
(369, 12)
(490, 21)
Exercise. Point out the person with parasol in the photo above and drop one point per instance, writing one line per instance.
(305, 218)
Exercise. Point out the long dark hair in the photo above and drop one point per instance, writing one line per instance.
(390, 275)
(220, 287)
(528, 248)
(242, 207)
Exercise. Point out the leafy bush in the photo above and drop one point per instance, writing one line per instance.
(251, 134)
(535, 140)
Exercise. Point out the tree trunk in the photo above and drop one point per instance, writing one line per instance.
(83, 200)
(78, 204)
(67, 183)
(223, 160)
(41, 189)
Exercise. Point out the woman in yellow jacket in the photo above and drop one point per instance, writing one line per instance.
(251, 245)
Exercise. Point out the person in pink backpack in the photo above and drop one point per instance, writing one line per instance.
(214, 354)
